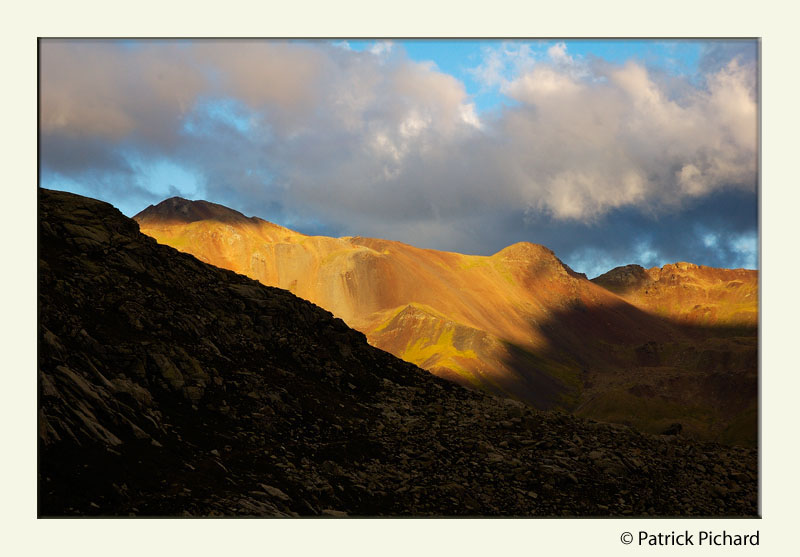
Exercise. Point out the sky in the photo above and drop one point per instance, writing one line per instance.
(609, 152)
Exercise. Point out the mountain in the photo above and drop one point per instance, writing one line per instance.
(519, 323)
(688, 293)
(169, 387)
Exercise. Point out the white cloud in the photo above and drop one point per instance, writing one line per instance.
(592, 145)
(469, 115)
(710, 240)
(558, 54)
(381, 48)
(746, 247)
(543, 81)
(500, 64)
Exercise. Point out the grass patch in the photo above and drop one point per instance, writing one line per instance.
(424, 349)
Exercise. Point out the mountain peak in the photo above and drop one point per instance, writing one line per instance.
(525, 250)
(540, 256)
(180, 210)
(689, 293)
(623, 278)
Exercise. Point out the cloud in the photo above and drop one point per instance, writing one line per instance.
(719, 231)
(381, 48)
(558, 53)
(320, 136)
(715, 55)
(91, 89)
(621, 140)
(500, 64)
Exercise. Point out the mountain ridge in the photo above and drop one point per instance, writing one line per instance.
(362, 280)
(519, 323)
(169, 387)
(706, 295)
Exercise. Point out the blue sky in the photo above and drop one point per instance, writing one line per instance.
(460, 57)
(607, 151)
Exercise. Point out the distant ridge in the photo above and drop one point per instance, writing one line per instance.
(689, 293)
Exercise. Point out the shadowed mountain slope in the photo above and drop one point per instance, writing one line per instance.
(519, 323)
(171, 387)
(715, 364)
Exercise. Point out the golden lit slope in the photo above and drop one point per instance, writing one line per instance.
(360, 278)
(518, 323)
(689, 293)
(451, 313)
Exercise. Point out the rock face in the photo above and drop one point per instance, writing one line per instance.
(518, 324)
(168, 387)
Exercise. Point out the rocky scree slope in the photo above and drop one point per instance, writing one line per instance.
(171, 387)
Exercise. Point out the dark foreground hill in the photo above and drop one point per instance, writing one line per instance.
(171, 387)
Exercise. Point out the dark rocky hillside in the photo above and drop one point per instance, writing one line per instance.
(171, 387)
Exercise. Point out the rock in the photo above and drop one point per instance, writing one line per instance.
(275, 492)
(167, 370)
(595, 455)
(331, 512)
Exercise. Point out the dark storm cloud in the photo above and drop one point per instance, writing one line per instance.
(327, 140)
(717, 231)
